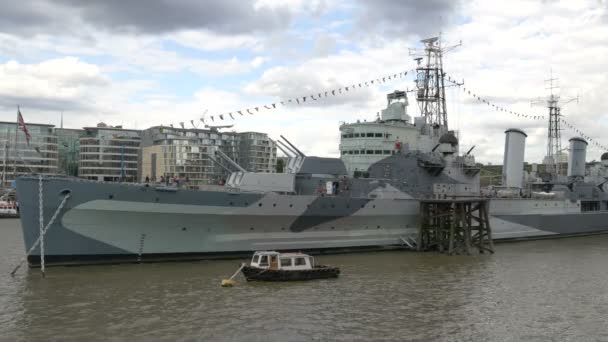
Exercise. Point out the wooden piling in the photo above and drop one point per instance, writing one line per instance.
(455, 226)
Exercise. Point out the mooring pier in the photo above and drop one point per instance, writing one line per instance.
(455, 226)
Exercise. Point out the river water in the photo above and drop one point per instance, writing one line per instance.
(551, 290)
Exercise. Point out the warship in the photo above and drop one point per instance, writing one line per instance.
(368, 198)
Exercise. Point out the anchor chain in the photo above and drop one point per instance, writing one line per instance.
(41, 223)
(43, 232)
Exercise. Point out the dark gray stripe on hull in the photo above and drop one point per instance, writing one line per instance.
(562, 223)
(82, 192)
(326, 209)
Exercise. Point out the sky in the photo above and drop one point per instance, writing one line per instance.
(160, 62)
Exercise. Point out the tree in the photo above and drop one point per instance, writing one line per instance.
(280, 165)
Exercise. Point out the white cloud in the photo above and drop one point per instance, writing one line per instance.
(508, 50)
(209, 41)
(49, 84)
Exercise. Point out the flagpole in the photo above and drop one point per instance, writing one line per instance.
(15, 145)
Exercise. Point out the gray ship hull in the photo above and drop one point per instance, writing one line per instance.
(110, 222)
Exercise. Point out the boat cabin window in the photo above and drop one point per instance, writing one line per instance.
(285, 262)
(256, 258)
(264, 260)
(300, 261)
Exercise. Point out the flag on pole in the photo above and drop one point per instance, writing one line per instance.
(22, 126)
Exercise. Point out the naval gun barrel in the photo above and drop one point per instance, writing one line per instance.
(232, 162)
(469, 151)
(280, 143)
(295, 148)
(220, 164)
(282, 150)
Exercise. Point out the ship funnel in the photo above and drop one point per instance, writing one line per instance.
(576, 159)
(605, 159)
(513, 166)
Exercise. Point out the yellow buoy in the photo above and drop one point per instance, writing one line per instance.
(227, 283)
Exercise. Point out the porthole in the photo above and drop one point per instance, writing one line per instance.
(251, 228)
(110, 196)
(184, 229)
(231, 203)
(373, 206)
(377, 227)
(291, 205)
(274, 204)
(333, 227)
(259, 204)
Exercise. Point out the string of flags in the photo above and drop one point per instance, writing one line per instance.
(525, 115)
(494, 106)
(583, 135)
(301, 100)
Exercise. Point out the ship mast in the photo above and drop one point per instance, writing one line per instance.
(430, 87)
(554, 141)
